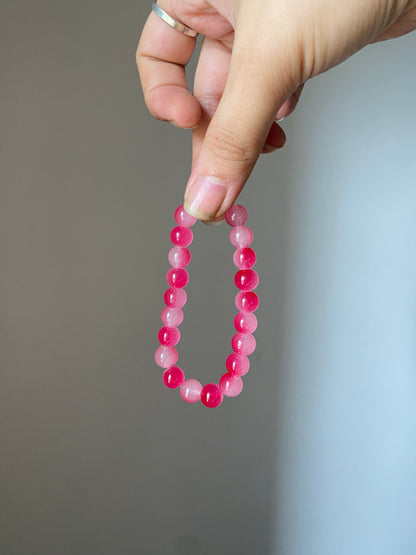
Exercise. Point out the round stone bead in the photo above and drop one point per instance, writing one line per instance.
(173, 377)
(181, 236)
(231, 385)
(169, 337)
(172, 317)
(166, 356)
(179, 257)
(191, 391)
(241, 236)
(183, 218)
(245, 322)
(236, 215)
(237, 364)
(243, 343)
(211, 395)
(246, 301)
(179, 277)
(246, 280)
(244, 258)
(175, 298)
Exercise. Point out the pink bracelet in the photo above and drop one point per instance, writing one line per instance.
(245, 322)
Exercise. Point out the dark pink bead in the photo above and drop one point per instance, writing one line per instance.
(236, 215)
(179, 277)
(172, 317)
(246, 301)
(237, 364)
(241, 236)
(181, 236)
(169, 337)
(166, 356)
(244, 258)
(173, 377)
(175, 298)
(183, 218)
(245, 322)
(191, 391)
(243, 343)
(179, 257)
(231, 385)
(246, 280)
(211, 395)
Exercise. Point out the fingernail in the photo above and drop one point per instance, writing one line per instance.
(269, 148)
(212, 222)
(205, 197)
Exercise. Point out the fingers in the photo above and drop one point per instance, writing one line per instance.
(289, 105)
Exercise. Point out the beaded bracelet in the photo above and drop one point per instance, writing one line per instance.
(245, 322)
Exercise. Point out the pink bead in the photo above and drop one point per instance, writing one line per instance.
(236, 215)
(211, 395)
(181, 236)
(231, 385)
(241, 236)
(243, 343)
(244, 258)
(246, 301)
(172, 317)
(237, 364)
(179, 277)
(173, 377)
(169, 337)
(183, 218)
(191, 391)
(166, 356)
(245, 322)
(175, 298)
(179, 257)
(247, 280)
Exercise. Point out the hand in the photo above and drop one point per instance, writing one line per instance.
(254, 60)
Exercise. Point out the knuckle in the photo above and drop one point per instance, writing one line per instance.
(226, 144)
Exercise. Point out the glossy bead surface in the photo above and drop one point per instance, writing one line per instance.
(179, 277)
(211, 395)
(166, 356)
(246, 301)
(181, 236)
(237, 364)
(169, 337)
(191, 391)
(183, 218)
(172, 316)
(246, 280)
(236, 215)
(173, 377)
(244, 258)
(231, 385)
(241, 236)
(179, 257)
(174, 298)
(245, 322)
(243, 343)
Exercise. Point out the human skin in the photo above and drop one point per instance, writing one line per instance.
(255, 58)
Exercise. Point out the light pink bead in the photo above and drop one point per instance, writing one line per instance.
(236, 215)
(246, 280)
(191, 391)
(231, 385)
(166, 356)
(173, 377)
(237, 364)
(245, 322)
(181, 236)
(179, 257)
(243, 343)
(211, 395)
(241, 236)
(172, 317)
(179, 277)
(175, 298)
(244, 258)
(183, 218)
(246, 301)
(169, 337)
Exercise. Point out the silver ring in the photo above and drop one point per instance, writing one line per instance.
(172, 22)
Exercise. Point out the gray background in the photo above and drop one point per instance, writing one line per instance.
(318, 454)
